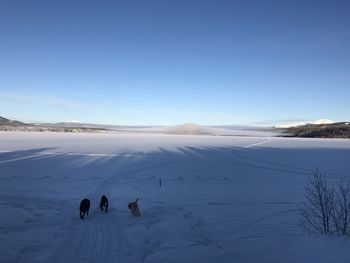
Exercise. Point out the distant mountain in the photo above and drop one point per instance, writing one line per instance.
(12, 125)
(297, 124)
(332, 130)
(4, 121)
(190, 129)
(68, 124)
(74, 124)
(7, 122)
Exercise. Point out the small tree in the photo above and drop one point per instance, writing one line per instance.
(341, 213)
(316, 213)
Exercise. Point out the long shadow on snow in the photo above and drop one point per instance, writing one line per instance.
(228, 169)
(35, 164)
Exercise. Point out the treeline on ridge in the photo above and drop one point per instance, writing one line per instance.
(334, 130)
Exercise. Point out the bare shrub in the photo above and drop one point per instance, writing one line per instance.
(316, 213)
(341, 212)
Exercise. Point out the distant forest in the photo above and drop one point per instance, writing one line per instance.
(334, 130)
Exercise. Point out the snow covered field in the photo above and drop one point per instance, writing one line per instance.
(222, 199)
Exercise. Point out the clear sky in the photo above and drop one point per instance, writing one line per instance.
(172, 62)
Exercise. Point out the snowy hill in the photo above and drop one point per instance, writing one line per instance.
(7, 122)
(190, 129)
(332, 130)
(296, 124)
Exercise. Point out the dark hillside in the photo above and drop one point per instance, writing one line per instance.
(334, 130)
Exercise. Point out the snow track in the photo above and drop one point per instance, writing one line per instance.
(221, 199)
(97, 238)
(101, 236)
(258, 143)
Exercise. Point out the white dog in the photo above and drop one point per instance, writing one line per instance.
(134, 208)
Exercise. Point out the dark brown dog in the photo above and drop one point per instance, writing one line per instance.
(84, 207)
(104, 203)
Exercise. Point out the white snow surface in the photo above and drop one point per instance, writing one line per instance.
(221, 199)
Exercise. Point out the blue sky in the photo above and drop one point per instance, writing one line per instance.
(172, 62)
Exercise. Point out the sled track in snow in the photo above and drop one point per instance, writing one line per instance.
(97, 238)
(100, 237)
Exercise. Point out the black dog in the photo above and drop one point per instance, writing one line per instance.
(84, 207)
(104, 203)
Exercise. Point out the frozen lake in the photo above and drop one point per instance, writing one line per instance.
(221, 198)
